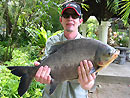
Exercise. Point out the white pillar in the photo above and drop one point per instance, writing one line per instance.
(129, 42)
(103, 31)
(129, 38)
(83, 29)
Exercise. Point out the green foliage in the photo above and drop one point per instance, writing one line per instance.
(122, 39)
(122, 8)
(112, 5)
(85, 6)
(39, 37)
(92, 25)
(119, 39)
(2, 51)
(24, 56)
(17, 15)
(125, 10)
(8, 84)
(57, 32)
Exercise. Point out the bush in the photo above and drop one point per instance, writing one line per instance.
(119, 39)
(24, 56)
(8, 83)
(2, 51)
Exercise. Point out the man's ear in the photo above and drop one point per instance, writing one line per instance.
(60, 19)
(81, 20)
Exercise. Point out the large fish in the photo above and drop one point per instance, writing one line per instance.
(64, 58)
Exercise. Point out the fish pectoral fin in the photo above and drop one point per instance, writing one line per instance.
(53, 86)
(92, 70)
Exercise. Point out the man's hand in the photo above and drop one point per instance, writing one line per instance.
(86, 79)
(43, 74)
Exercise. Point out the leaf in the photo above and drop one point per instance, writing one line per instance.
(85, 6)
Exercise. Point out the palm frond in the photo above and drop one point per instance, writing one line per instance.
(125, 10)
(112, 5)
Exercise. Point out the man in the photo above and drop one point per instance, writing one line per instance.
(70, 20)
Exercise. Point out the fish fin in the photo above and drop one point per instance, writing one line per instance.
(24, 84)
(53, 86)
(26, 74)
(92, 70)
(57, 46)
(17, 70)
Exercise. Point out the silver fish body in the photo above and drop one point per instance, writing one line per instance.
(64, 59)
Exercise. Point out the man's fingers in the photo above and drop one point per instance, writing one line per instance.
(83, 72)
(38, 73)
(94, 75)
(80, 75)
(49, 79)
(85, 63)
(43, 75)
(90, 65)
(46, 72)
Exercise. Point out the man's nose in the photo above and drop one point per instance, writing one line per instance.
(70, 17)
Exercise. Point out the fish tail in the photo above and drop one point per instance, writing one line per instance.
(27, 73)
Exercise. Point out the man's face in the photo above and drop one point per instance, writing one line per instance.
(70, 20)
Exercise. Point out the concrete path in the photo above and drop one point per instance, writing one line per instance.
(113, 82)
(115, 73)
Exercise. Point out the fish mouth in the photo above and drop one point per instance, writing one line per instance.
(105, 64)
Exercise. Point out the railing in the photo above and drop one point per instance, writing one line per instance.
(123, 55)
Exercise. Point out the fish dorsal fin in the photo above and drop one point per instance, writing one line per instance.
(57, 46)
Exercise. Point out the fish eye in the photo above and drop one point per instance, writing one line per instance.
(109, 53)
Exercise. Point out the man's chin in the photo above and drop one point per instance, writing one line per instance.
(69, 30)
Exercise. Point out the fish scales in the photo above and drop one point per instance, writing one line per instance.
(67, 58)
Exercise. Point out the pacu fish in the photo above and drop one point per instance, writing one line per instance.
(64, 59)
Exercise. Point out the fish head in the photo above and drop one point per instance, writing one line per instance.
(105, 55)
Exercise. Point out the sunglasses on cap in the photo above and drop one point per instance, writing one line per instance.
(67, 15)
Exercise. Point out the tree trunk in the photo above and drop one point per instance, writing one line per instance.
(7, 19)
(10, 29)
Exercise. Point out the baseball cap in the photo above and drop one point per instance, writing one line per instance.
(72, 5)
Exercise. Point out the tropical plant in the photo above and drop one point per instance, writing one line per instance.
(39, 36)
(24, 56)
(125, 10)
(90, 27)
(119, 39)
(122, 9)
(2, 51)
(17, 15)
